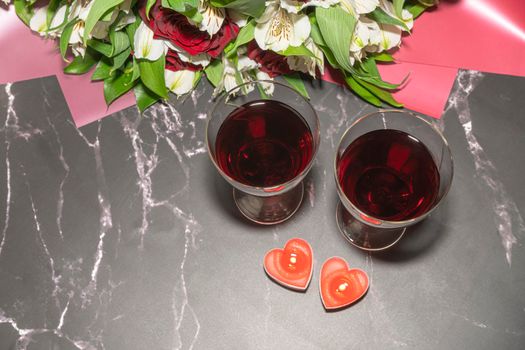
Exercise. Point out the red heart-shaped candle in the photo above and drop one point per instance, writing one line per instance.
(291, 266)
(340, 286)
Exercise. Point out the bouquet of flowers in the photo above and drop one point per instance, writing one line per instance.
(160, 46)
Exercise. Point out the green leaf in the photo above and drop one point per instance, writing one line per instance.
(197, 79)
(98, 10)
(416, 10)
(103, 70)
(81, 65)
(253, 8)
(136, 70)
(64, 38)
(51, 11)
(369, 64)
(23, 10)
(368, 72)
(337, 28)
(296, 82)
(315, 32)
(398, 8)
(263, 94)
(152, 75)
(119, 42)
(175, 5)
(130, 30)
(383, 57)
(362, 92)
(117, 85)
(297, 51)
(100, 46)
(144, 96)
(149, 5)
(380, 93)
(380, 16)
(120, 59)
(245, 36)
(214, 72)
(329, 56)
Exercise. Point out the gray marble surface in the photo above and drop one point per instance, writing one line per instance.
(121, 234)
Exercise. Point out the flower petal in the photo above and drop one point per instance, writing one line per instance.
(212, 18)
(267, 87)
(301, 29)
(38, 22)
(295, 6)
(180, 82)
(145, 46)
(358, 7)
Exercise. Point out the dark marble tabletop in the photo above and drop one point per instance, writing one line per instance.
(122, 235)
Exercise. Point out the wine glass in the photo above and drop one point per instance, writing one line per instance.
(262, 137)
(392, 169)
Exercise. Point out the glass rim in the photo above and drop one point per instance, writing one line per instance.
(315, 134)
(391, 223)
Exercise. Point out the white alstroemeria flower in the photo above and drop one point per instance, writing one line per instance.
(212, 17)
(231, 78)
(179, 82)
(308, 64)
(228, 80)
(358, 7)
(245, 63)
(406, 16)
(146, 47)
(78, 12)
(295, 6)
(268, 88)
(58, 19)
(374, 34)
(6, 2)
(277, 29)
(38, 22)
(390, 37)
(360, 38)
(237, 17)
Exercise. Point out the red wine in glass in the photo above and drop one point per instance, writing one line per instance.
(389, 175)
(264, 143)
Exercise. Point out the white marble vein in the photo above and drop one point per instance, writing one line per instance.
(180, 296)
(10, 115)
(54, 277)
(25, 335)
(167, 125)
(105, 218)
(507, 217)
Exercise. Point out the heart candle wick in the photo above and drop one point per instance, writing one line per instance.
(342, 287)
(293, 259)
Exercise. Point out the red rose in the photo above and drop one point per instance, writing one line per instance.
(271, 62)
(174, 63)
(171, 25)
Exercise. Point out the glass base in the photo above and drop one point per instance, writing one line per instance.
(364, 236)
(269, 210)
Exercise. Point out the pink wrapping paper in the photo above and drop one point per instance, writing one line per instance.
(26, 55)
(484, 35)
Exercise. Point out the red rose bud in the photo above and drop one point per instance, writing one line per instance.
(271, 62)
(175, 27)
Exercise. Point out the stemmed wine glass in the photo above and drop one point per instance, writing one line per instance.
(392, 169)
(262, 137)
